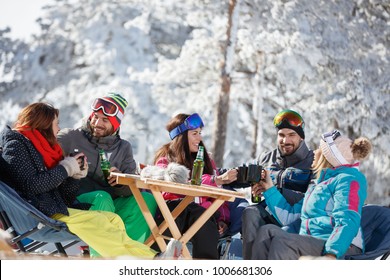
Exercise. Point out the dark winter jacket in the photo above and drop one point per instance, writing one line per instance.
(119, 152)
(292, 172)
(50, 191)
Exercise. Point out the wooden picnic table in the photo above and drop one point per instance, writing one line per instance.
(190, 192)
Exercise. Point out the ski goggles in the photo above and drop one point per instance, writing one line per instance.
(292, 117)
(108, 107)
(192, 122)
(329, 139)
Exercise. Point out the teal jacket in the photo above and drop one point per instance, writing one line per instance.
(331, 209)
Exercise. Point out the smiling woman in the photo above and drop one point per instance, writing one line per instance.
(20, 17)
(185, 132)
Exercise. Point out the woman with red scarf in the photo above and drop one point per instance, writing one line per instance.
(36, 168)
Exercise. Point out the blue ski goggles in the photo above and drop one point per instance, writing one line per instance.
(192, 122)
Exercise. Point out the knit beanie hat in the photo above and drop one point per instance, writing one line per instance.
(340, 150)
(121, 104)
(286, 118)
(297, 129)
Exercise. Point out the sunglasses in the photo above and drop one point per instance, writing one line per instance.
(109, 108)
(293, 118)
(192, 122)
(329, 138)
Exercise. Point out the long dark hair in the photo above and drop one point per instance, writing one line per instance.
(39, 116)
(178, 150)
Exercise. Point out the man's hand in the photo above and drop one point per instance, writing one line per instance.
(111, 179)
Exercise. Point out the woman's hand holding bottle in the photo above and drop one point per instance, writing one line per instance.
(264, 184)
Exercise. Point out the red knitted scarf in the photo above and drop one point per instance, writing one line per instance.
(51, 154)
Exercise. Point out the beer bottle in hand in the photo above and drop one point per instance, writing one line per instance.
(254, 176)
(254, 198)
(104, 164)
(197, 169)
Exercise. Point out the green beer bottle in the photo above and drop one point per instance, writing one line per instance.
(254, 176)
(104, 164)
(197, 169)
(254, 198)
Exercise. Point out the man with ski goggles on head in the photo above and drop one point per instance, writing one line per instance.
(290, 170)
(99, 133)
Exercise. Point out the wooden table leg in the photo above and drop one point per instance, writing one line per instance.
(202, 220)
(175, 213)
(176, 234)
(148, 217)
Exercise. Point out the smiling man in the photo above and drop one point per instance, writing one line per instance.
(288, 141)
(100, 133)
(291, 161)
(290, 170)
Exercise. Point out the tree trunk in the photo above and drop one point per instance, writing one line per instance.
(257, 83)
(222, 110)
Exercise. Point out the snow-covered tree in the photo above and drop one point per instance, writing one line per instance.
(327, 59)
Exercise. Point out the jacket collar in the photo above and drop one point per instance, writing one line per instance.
(342, 169)
(300, 154)
(102, 142)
